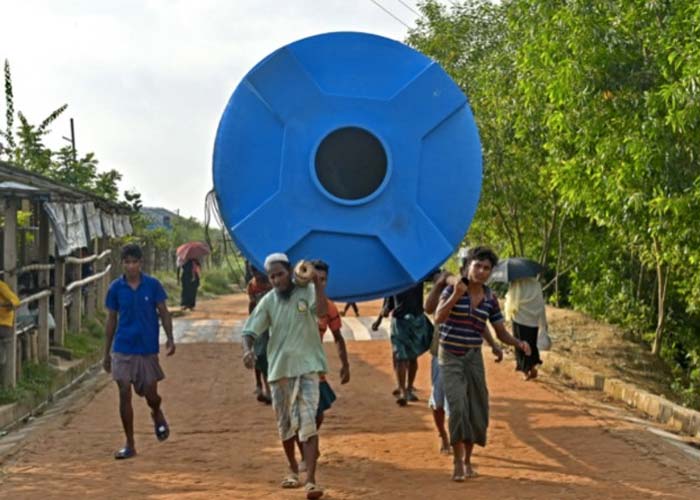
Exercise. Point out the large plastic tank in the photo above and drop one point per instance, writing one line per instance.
(352, 148)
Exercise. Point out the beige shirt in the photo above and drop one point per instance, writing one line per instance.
(525, 303)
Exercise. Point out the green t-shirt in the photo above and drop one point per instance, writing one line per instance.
(295, 346)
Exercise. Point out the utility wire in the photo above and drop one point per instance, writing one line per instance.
(375, 2)
(211, 207)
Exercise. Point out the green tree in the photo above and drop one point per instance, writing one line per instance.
(619, 149)
(589, 124)
(25, 148)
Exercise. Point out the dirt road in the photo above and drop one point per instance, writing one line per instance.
(544, 441)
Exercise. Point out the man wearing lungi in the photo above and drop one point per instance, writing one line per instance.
(462, 314)
(295, 360)
(135, 301)
(411, 335)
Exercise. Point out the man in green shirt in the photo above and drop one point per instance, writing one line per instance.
(295, 360)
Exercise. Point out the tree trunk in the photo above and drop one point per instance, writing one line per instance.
(662, 273)
(548, 235)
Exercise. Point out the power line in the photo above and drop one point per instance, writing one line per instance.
(389, 12)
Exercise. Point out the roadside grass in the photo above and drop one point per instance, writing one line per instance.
(38, 380)
(216, 281)
(89, 341)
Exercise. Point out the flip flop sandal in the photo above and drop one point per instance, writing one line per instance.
(161, 429)
(291, 480)
(313, 491)
(401, 401)
(124, 453)
(410, 396)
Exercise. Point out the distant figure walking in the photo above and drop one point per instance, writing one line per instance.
(257, 287)
(411, 336)
(9, 302)
(191, 271)
(348, 306)
(525, 308)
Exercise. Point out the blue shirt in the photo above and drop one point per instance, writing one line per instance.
(465, 325)
(137, 327)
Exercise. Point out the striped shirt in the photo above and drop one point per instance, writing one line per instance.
(465, 325)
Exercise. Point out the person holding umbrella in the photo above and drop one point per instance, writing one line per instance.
(524, 307)
(188, 255)
(191, 271)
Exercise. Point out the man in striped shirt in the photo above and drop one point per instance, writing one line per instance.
(462, 314)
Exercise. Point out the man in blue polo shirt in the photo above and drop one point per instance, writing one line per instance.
(135, 301)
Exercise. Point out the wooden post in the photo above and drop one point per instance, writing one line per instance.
(19, 349)
(116, 260)
(76, 305)
(8, 344)
(59, 311)
(33, 347)
(43, 340)
(100, 265)
(90, 304)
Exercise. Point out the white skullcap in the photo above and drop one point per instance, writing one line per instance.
(275, 257)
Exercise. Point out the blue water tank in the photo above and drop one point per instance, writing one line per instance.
(352, 148)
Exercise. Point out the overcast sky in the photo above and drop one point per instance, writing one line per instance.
(146, 81)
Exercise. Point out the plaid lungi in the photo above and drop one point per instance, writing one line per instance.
(295, 401)
(411, 336)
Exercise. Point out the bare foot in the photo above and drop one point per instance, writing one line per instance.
(445, 446)
(469, 471)
(458, 472)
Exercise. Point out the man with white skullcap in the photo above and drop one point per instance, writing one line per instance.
(295, 360)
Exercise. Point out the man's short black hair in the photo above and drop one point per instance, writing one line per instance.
(480, 253)
(132, 250)
(320, 265)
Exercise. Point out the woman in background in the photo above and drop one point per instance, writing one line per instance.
(525, 308)
(190, 283)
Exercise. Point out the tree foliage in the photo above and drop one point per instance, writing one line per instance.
(24, 146)
(590, 126)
